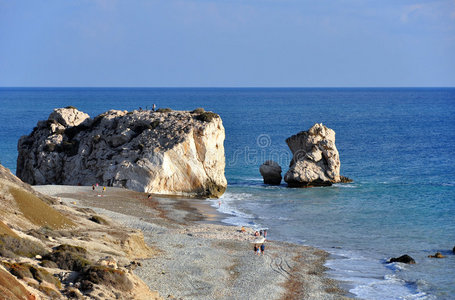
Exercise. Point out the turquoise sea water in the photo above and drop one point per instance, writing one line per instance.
(397, 144)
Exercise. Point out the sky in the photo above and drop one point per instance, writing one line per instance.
(227, 43)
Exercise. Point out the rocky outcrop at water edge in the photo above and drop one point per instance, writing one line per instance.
(162, 152)
(315, 161)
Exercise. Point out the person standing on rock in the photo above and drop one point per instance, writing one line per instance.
(153, 107)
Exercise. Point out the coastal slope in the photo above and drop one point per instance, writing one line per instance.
(49, 250)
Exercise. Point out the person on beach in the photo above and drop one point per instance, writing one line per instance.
(262, 248)
(258, 250)
(104, 189)
(256, 233)
(93, 187)
(153, 107)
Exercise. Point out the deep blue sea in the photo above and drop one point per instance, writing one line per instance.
(397, 144)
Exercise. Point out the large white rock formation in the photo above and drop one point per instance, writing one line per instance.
(315, 161)
(168, 152)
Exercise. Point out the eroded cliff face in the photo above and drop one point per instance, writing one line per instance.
(316, 161)
(169, 152)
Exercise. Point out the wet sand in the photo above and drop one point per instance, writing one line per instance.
(199, 258)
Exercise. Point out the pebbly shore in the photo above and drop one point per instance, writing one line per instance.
(197, 257)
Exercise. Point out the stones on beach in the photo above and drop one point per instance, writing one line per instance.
(271, 172)
(406, 259)
(166, 152)
(315, 161)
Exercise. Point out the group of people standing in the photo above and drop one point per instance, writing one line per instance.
(94, 186)
(147, 108)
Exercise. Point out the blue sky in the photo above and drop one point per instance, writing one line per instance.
(221, 43)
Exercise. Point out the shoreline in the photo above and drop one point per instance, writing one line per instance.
(202, 258)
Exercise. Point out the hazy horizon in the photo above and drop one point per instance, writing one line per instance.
(214, 43)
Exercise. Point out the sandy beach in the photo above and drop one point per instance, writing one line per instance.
(198, 257)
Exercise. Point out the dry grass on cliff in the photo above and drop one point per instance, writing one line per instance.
(38, 212)
(4, 229)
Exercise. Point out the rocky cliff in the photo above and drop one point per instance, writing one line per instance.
(316, 161)
(49, 250)
(162, 152)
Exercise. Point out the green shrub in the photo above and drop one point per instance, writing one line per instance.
(70, 106)
(50, 292)
(105, 276)
(71, 248)
(207, 116)
(163, 110)
(69, 258)
(198, 111)
(11, 246)
(48, 264)
(24, 270)
(19, 270)
(42, 275)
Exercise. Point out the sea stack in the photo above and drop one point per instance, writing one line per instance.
(161, 152)
(315, 160)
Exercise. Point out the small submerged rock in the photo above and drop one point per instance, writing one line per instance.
(406, 259)
(436, 255)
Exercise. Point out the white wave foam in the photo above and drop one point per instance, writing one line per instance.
(346, 186)
(366, 276)
(253, 179)
(236, 196)
(225, 205)
(275, 218)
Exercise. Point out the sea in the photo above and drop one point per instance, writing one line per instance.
(397, 144)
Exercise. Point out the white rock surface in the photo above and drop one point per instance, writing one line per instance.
(316, 160)
(271, 172)
(177, 152)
